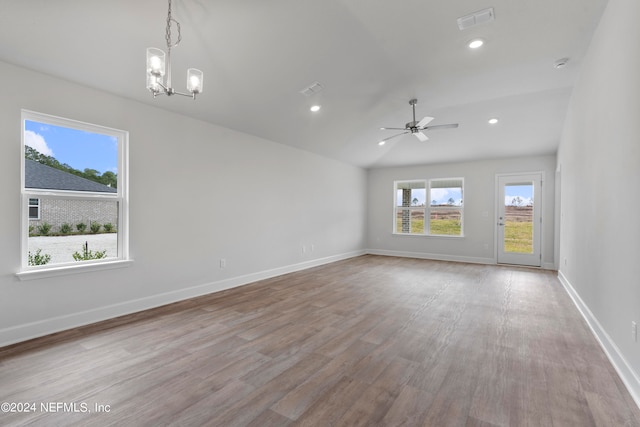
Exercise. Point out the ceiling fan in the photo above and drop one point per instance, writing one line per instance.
(416, 128)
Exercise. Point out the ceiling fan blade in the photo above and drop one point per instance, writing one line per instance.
(393, 128)
(421, 136)
(449, 126)
(422, 123)
(391, 137)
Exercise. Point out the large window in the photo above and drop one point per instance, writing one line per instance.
(74, 195)
(431, 207)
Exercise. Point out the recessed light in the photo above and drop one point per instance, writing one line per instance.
(493, 121)
(474, 44)
(315, 108)
(382, 143)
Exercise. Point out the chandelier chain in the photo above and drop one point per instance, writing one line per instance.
(168, 31)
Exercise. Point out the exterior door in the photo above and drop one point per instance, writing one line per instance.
(519, 219)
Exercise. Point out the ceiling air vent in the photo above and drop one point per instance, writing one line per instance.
(312, 89)
(476, 18)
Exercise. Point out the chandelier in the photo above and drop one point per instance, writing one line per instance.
(158, 68)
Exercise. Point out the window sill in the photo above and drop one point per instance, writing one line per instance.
(444, 236)
(72, 269)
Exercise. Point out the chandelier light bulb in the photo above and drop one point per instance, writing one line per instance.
(194, 80)
(155, 61)
(155, 65)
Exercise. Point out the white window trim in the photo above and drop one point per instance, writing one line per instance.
(426, 208)
(37, 218)
(122, 197)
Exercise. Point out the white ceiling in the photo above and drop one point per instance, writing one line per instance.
(371, 56)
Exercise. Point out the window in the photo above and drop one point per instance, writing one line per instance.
(445, 208)
(34, 209)
(74, 195)
(410, 207)
(429, 208)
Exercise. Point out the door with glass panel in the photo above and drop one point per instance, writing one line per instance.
(519, 219)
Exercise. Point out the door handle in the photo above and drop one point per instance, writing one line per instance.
(501, 223)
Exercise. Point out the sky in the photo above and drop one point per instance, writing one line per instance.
(77, 148)
(525, 192)
(442, 195)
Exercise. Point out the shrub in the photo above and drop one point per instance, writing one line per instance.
(87, 255)
(65, 228)
(44, 228)
(38, 258)
(108, 227)
(81, 227)
(31, 228)
(95, 227)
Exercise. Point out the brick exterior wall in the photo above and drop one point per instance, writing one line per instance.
(406, 214)
(59, 211)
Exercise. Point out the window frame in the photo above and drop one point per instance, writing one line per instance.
(411, 209)
(427, 209)
(121, 197)
(37, 206)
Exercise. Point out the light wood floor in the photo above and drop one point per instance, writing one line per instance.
(371, 341)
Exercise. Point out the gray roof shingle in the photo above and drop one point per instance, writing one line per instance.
(38, 175)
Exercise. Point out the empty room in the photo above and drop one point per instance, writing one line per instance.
(333, 213)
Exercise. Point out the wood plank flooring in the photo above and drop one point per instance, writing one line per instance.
(370, 341)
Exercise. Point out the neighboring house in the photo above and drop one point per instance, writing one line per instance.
(59, 211)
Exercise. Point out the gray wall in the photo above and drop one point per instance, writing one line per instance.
(198, 193)
(479, 209)
(599, 163)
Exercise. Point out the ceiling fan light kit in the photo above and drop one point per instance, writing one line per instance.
(417, 127)
(159, 66)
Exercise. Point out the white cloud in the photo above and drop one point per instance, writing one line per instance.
(37, 142)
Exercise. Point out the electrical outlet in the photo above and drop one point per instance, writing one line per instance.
(223, 263)
(304, 249)
(634, 331)
(313, 247)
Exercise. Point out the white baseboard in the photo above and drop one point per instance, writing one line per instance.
(628, 376)
(441, 257)
(24, 332)
(436, 257)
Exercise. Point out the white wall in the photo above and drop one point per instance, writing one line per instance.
(599, 162)
(198, 193)
(479, 209)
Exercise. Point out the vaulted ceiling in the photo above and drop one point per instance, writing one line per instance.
(370, 56)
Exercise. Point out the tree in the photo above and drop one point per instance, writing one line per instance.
(451, 201)
(414, 201)
(109, 178)
(91, 174)
(516, 201)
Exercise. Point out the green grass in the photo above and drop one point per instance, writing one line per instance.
(446, 227)
(518, 237)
